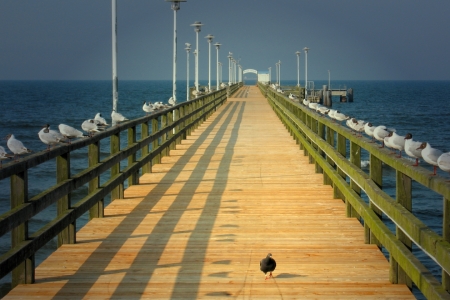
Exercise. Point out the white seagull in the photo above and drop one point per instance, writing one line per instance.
(148, 108)
(444, 162)
(356, 125)
(16, 146)
(69, 132)
(368, 129)
(117, 117)
(430, 155)
(90, 127)
(100, 120)
(3, 155)
(50, 137)
(340, 116)
(411, 148)
(380, 132)
(397, 142)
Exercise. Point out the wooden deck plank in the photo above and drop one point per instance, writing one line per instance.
(197, 227)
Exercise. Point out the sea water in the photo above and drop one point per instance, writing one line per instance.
(418, 107)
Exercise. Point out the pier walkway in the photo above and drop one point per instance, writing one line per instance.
(198, 225)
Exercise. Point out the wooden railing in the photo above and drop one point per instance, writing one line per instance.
(336, 153)
(148, 139)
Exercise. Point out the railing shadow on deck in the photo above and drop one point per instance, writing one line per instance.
(157, 135)
(336, 152)
(164, 230)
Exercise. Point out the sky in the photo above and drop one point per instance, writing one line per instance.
(352, 39)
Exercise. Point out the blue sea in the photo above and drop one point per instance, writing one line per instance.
(419, 107)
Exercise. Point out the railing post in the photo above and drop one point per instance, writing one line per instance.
(96, 211)
(134, 178)
(24, 273)
(404, 198)
(355, 158)
(117, 192)
(144, 134)
(68, 235)
(446, 237)
(155, 144)
(342, 149)
(164, 151)
(376, 174)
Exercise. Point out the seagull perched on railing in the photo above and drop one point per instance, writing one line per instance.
(50, 137)
(380, 132)
(16, 146)
(444, 162)
(90, 127)
(430, 155)
(148, 108)
(117, 117)
(69, 132)
(412, 148)
(100, 121)
(368, 129)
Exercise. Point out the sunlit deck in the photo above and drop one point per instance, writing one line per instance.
(197, 227)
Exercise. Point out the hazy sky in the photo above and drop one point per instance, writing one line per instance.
(354, 39)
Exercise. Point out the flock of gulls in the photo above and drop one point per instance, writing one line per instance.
(389, 138)
(67, 133)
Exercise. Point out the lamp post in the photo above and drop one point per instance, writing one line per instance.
(220, 73)
(279, 73)
(188, 48)
(270, 75)
(175, 7)
(230, 56)
(306, 49)
(217, 65)
(298, 68)
(197, 27)
(210, 38)
(276, 72)
(115, 79)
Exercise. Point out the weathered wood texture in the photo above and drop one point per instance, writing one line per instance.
(198, 225)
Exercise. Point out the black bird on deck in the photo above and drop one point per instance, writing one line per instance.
(268, 264)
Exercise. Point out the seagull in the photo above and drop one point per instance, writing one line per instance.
(380, 132)
(397, 142)
(148, 108)
(69, 132)
(268, 264)
(444, 162)
(100, 121)
(356, 125)
(305, 102)
(50, 137)
(331, 113)
(368, 129)
(313, 105)
(3, 155)
(340, 116)
(172, 101)
(90, 127)
(387, 142)
(430, 155)
(117, 117)
(16, 146)
(412, 148)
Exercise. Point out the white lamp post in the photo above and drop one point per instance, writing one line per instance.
(230, 56)
(279, 73)
(276, 71)
(188, 48)
(175, 8)
(210, 38)
(197, 26)
(298, 68)
(220, 73)
(270, 75)
(115, 79)
(217, 65)
(306, 49)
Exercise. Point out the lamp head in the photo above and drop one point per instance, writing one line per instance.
(209, 37)
(197, 26)
(217, 45)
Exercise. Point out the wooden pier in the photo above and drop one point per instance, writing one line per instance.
(197, 226)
